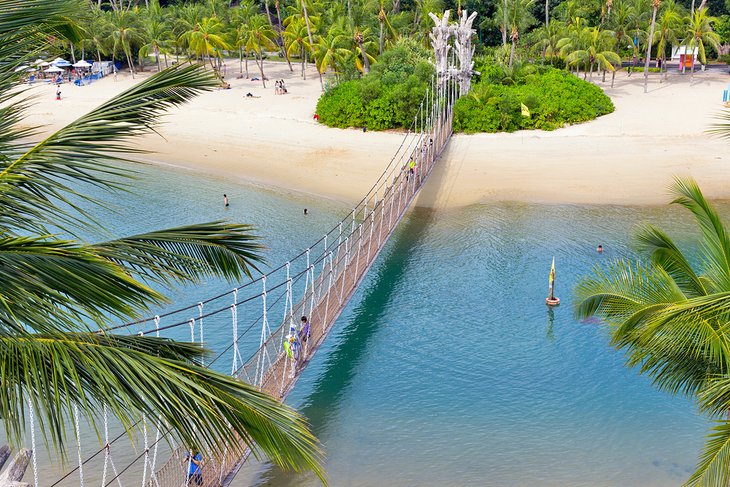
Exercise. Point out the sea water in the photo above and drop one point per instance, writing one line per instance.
(447, 368)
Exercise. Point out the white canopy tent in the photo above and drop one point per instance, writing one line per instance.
(82, 64)
(53, 69)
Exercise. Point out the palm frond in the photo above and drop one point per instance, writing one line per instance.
(713, 468)
(665, 254)
(187, 253)
(81, 152)
(715, 242)
(135, 375)
(49, 283)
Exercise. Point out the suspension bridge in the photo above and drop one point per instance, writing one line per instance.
(317, 283)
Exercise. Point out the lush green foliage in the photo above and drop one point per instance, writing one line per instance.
(388, 97)
(553, 97)
(58, 296)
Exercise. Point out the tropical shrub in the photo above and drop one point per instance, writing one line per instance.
(553, 97)
(388, 97)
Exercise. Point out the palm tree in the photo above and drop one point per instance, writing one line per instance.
(520, 18)
(699, 33)
(57, 293)
(124, 25)
(260, 35)
(598, 51)
(331, 52)
(305, 14)
(206, 40)
(669, 25)
(156, 36)
(655, 6)
(279, 30)
(295, 36)
(670, 316)
(361, 40)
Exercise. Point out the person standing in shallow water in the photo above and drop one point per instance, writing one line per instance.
(225, 200)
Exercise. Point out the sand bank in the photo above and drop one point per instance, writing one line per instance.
(627, 157)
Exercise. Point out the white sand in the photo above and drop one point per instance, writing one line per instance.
(627, 157)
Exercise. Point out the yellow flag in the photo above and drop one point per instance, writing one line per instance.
(552, 273)
(525, 110)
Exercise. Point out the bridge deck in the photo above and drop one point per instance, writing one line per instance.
(327, 294)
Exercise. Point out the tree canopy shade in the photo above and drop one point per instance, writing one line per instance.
(671, 317)
(57, 295)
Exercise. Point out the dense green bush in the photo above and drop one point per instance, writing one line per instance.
(553, 97)
(388, 97)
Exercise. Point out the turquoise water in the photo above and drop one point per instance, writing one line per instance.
(447, 368)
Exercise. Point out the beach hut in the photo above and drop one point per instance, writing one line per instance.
(686, 56)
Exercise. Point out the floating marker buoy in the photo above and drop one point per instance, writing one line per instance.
(551, 300)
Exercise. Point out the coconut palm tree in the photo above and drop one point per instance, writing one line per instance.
(279, 31)
(699, 33)
(598, 51)
(156, 35)
(58, 294)
(124, 32)
(260, 35)
(669, 27)
(331, 51)
(297, 41)
(669, 314)
(520, 18)
(206, 40)
(650, 41)
(362, 41)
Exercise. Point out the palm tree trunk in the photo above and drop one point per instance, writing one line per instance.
(240, 60)
(547, 12)
(382, 38)
(268, 14)
(613, 77)
(365, 60)
(73, 52)
(591, 71)
(604, 76)
(304, 63)
(281, 36)
(129, 61)
(311, 42)
(512, 53)
(648, 50)
(261, 64)
(166, 65)
(246, 64)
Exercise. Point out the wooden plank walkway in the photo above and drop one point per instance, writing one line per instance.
(326, 296)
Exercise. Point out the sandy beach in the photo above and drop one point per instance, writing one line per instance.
(627, 157)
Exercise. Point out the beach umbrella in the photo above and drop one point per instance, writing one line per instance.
(44, 64)
(53, 69)
(81, 64)
(21, 68)
(39, 62)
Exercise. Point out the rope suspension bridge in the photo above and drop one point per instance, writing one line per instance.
(316, 284)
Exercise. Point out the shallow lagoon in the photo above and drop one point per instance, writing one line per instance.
(447, 368)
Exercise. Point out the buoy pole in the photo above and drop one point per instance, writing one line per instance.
(551, 300)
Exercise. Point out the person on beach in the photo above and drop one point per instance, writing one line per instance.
(225, 200)
(195, 467)
(306, 211)
(412, 166)
(304, 330)
(599, 249)
(277, 89)
(282, 86)
(58, 92)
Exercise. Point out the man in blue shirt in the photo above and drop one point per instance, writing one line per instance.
(195, 463)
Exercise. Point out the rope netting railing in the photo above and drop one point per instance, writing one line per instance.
(288, 313)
